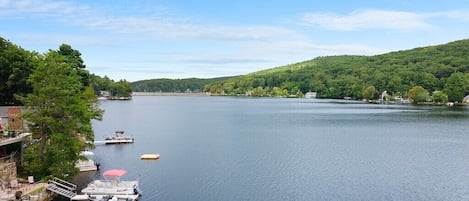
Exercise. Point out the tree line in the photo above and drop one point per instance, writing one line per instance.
(17, 64)
(195, 85)
(439, 70)
(121, 88)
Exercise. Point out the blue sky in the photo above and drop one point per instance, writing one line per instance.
(148, 39)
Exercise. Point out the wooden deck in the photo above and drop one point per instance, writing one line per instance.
(5, 140)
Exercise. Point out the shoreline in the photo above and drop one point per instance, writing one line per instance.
(169, 94)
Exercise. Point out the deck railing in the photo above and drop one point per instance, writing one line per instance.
(61, 187)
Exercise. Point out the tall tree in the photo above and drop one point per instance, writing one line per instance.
(73, 58)
(369, 93)
(439, 97)
(456, 87)
(418, 94)
(59, 112)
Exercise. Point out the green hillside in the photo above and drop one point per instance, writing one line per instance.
(435, 68)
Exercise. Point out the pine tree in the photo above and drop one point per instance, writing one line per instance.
(59, 113)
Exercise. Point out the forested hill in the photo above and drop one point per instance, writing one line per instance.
(174, 85)
(435, 68)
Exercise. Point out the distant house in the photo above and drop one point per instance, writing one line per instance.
(465, 99)
(384, 96)
(104, 93)
(310, 94)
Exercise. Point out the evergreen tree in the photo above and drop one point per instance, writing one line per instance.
(59, 114)
(73, 58)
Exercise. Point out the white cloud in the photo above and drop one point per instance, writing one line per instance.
(367, 19)
(169, 29)
(151, 25)
(46, 39)
(220, 60)
(38, 8)
(4, 2)
(455, 14)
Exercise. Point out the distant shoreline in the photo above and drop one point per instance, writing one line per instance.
(169, 94)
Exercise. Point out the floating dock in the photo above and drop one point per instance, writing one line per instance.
(150, 156)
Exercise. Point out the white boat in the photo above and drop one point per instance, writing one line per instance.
(111, 188)
(118, 138)
(86, 153)
(87, 164)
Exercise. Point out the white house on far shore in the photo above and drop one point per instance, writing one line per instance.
(310, 94)
(465, 99)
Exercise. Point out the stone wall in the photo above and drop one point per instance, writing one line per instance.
(7, 174)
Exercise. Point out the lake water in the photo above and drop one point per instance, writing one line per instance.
(273, 149)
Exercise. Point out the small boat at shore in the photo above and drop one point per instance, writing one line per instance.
(111, 188)
(118, 138)
(86, 164)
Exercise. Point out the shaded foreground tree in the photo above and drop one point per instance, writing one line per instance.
(15, 66)
(59, 113)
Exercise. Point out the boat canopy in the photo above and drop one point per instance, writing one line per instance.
(114, 173)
